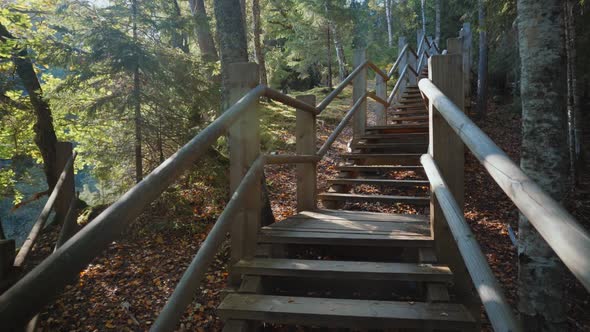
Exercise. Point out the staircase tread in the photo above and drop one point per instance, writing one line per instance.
(343, 269)
(346, 313)
(350, 215)
(398, 126)
(379, 155)
(381, 182)
(378, 168)
(421, 200)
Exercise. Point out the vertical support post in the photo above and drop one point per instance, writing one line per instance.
(455, 46)
(64, 151)
(467, 35)
(411, 61)
(359, 88)
(400, 45)
(402, 64)
(306, 144)
(7, 253)
(381, 91)
(447, 150)
(244, 148)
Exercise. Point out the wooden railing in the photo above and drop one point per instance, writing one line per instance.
(451, 130)
(242, 214)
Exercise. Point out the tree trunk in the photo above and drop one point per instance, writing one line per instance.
(137, 100)
(45, 137)
(423, 18)
(342, 72)
(544, 157)
(329, 49)
(233, 48)
(482, 68)
(437, 23)
(203, 31)
(258, 51)
(388, 16)
(179, 39)
(574, 110)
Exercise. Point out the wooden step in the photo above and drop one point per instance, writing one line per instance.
(388, 199)
(345, 313)
(345, 216)
(385, 168)
(397, 126)
(422, 135)
(380, 182)
(280, 267)
(384, 158)
(398, 147)
(410, 106)
(410, 118)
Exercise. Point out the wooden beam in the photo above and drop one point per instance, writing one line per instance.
(359, 92)
(360, 67)
(290, 101)
(64, 151)
(380, 96)
(305, 135)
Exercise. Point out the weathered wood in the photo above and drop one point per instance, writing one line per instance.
(27, 246)
(390, 199)
(233, 325)
(70, 225)
(563, 233)
(399, 62)
(345, 313)
(359, 68)
(244, 148)
(455, 46)
(343, 215)
(38, 287)
(490, 291)
(370, 158)
(377, 70)
(467, 38)
(305, 134)
(359, 92)
(334, 135)
(64, 151)
(380, 182)
(378, 99)
(380, 96)
(379, 168)
(191, 279)
(7, 253)
(393, 225)
(290, 101)
(344, 270)
(448, 151)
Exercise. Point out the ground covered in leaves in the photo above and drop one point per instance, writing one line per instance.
(125, 288)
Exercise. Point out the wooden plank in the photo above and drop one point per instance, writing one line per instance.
(238, 326)
(325, 214)
(64, 150)
(410, 118)
(344, 312)
(305, 133)
(427, 256)
(379, 168)
(399, 147)
(381, 93)
(361, 227)
(437, 292)
(381, 182)
(390, 199)
(344, 270)
(346, 239)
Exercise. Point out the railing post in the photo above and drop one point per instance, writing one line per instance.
(244, 148)
(411, 61)
(359, 88)
(306, 145)
(402, 64)
(381, 92)
(455, 46)
(447, 150)
(467, 36)
(64, 151)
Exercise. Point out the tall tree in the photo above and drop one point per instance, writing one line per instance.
(544, 156)
(437, 22)
(137, 97)
(45, 137)
(258, 50)
(423, 10)
(203, 30)
(389, 19)
(482, 68)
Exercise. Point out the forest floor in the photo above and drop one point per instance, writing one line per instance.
(125, 288)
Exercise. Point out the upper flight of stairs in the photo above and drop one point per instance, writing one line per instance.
(335, 268)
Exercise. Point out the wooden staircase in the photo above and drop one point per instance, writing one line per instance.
(339, 268)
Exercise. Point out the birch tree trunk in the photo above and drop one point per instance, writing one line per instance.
(45, 137)
(437, 23)
(203, 31)
(544, 157)
(388, 16)
(342, 72)
(482, 68)
(137, 100)
(258, 51)
(329, 49)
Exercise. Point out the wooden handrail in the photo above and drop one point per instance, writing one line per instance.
(289, 101)
(42, 218)
(377, 70)
(322, 151)
(569, 240)
(491, 294)
(35, 289)
(191, 279)
(378, 99)
(397, 61)
(321, 106)
(397, 84)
